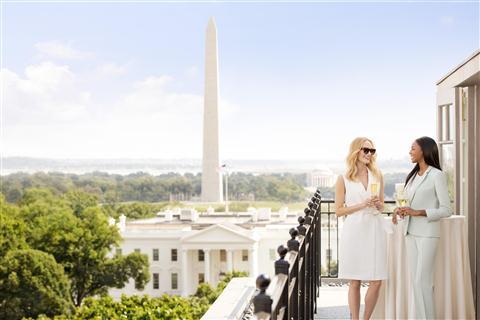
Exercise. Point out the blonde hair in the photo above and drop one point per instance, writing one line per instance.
(352, 158)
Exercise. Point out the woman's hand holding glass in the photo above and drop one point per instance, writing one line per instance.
(376, 204)
(407, 211)
(401, 198)
(369, 203)
(395, 215)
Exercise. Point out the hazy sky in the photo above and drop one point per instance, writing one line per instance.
(297, 81)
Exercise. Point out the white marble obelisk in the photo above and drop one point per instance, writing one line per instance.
(211, 175)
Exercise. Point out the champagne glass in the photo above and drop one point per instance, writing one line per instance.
(374, 189)
(401, 197)
(402, 200)
(375, 192)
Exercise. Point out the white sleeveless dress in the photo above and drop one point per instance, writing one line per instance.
(363, 248)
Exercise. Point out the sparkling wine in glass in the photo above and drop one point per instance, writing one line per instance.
(402, 202)
(401, 196)
(374, 189)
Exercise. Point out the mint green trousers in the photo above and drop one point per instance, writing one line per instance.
(421, 253)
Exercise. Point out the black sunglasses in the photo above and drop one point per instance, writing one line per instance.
(368, 150)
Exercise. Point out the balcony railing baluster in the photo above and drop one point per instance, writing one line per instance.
(294, 288)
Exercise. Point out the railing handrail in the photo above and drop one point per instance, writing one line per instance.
(292, 292)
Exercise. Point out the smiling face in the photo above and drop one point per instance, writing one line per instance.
(416, 153)
(363, 157)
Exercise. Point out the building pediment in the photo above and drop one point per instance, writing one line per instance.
(220, 234)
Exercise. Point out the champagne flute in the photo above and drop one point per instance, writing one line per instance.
(402, 201)
(401, 198)
(374, 189)
(375, 192)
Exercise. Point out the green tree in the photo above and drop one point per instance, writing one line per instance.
(205, 290)
(168, 307)
(143, 307)
(227, 277)
(12, 229)
(81, 241)
(80, 200)
(32, 283)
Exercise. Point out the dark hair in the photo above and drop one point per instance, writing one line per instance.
(430, 155)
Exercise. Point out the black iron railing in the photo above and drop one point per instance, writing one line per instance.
(293, 291)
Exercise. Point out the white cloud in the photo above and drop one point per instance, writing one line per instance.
(111, 69)
(48, 113)
(58, 50)
(152, 95)
(47, 93)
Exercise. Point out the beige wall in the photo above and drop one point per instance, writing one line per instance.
(477, 200)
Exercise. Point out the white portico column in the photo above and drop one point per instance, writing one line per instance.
(207, 265)
(184, 272)
(229, 260)
(252, 259)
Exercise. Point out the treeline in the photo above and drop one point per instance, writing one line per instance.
(143, 187)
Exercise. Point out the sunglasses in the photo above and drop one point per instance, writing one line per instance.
(368, 150)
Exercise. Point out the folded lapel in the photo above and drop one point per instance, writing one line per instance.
(418, 186)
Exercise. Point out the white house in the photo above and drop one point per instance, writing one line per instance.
(186, 248)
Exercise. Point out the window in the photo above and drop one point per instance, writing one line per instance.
(446, 121)
(201, 255)
(223, 255)
(201, 278)
(155, 254)
(244, 255)
(174, 255)
(118, 251)
(137, 250)
(447, 164)
(273, 255)
(156, 282)
(174, 281)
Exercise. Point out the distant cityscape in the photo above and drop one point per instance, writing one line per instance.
(182, 166)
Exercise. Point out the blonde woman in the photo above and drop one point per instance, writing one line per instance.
(363, 252)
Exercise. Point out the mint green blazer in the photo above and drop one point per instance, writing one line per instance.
(432, 196)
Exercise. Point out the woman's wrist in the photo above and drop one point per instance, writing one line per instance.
(421, 213)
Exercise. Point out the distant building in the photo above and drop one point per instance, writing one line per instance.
(323, 178)
(186, 248)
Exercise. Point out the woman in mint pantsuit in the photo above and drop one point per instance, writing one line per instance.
(427, 190)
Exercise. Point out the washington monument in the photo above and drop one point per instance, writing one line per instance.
(211, 175)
